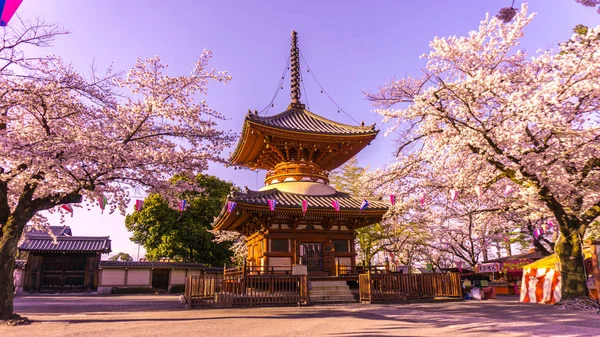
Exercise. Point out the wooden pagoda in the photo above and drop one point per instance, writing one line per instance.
(298, 149)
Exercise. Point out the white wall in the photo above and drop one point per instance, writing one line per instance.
(138, 277)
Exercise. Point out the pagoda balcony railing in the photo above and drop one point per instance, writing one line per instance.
(296, 171)
(258, 270)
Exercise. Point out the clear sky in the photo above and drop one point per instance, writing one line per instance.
(350, 46)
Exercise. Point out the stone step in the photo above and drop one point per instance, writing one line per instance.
(320, 299)
(329, 292)
(329, 283)
(329, 288)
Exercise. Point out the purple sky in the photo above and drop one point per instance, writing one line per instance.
(350, 46)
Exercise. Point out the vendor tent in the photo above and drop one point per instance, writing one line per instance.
(542, 281)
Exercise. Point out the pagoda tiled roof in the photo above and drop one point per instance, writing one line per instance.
(66, 244)
(290, 203)
(55, 230)
(302, 120)
(293, 200)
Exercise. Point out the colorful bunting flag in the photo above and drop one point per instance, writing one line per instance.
(544, 227)
(230, 206)
(68, 208)
(272, 203)
(392, 199)
(336, 205)
(102, 201)
(508, 190)
(7, 10)
(550, 224)
(139, 204)
(453, 195)
(181, 205)
(536, 233)
(478, 191)
(304, 205)
(364, 204)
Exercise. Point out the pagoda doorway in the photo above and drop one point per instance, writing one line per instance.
(311, 255)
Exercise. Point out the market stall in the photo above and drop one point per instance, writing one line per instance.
(541, 281)
(505, 273)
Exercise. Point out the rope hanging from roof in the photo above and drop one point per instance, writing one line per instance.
(325, 92)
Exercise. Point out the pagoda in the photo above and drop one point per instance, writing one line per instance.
(297, 217)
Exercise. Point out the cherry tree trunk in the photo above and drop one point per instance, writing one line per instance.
(11, 232)
(570, 253)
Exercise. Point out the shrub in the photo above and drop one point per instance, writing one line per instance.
(177, 289)
(131, 290)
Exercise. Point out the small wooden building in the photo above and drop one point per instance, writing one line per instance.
(297, 217)
(61, 262)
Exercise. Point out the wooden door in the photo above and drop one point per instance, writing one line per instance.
(311, 254)
(63, 273)
(160, 280)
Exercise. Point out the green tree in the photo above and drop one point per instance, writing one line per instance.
(183, 236)
(121, 257)
(371, 239)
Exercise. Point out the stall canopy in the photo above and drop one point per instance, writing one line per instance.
(542, 281)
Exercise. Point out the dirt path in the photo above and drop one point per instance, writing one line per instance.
(163, 316)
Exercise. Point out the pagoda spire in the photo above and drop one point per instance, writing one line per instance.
(295, 70)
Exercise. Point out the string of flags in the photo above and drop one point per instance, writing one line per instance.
(68, 208)
(453, 195)
(304, 205)
(139, 204)
(231, 206)
(545, 227)
(181, 205)
(364, 205)
(102, 201)
(336, 205)
(272, 203)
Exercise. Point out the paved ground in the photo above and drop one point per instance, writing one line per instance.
(162, 315)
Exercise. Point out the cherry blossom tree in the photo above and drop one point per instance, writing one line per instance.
(506, 14)
(485, 113)
(68, 139)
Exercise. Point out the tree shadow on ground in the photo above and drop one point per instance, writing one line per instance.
(485, 317)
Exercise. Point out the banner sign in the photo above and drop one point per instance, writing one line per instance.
(515, 265)
(488, 267)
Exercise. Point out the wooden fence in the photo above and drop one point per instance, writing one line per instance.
(246, 290)
(394, 287)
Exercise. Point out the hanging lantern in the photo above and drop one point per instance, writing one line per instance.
(393, 199)
(422, 199)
